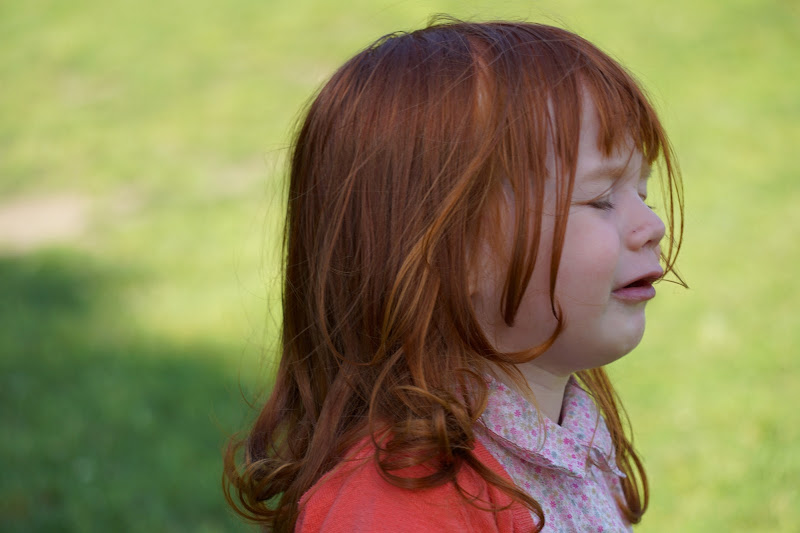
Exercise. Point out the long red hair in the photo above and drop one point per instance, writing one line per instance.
(397, 158)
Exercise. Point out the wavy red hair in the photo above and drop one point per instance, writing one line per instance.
(397, 159)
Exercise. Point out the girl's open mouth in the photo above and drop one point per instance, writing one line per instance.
(639, 290)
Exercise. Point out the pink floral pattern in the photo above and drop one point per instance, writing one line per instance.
(552, 463)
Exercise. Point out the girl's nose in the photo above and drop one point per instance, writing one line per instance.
(647, 229)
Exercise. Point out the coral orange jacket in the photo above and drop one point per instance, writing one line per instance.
(354, 498)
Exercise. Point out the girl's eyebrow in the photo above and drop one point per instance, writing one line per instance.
(615, 171)
(606, 170)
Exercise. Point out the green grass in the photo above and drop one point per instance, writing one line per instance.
(125, 345)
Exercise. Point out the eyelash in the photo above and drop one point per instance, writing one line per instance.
(603, 203)
(607, 205)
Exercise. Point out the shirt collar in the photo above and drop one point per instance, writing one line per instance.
(536, 439)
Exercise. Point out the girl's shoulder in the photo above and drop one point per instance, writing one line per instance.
(354, 497)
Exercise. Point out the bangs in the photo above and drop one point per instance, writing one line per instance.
(533, 79)
(624, 113)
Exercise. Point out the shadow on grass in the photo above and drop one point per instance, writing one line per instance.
(104, 429)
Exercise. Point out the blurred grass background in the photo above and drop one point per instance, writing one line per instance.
(140, 166)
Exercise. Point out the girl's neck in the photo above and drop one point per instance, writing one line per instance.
(548, 389)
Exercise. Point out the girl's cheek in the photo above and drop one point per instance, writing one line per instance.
(590, 258)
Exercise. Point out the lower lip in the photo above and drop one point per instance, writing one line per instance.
(635, 294)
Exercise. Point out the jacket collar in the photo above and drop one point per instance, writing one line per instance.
(569, 447)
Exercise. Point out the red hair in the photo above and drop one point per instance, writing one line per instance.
(398, 157)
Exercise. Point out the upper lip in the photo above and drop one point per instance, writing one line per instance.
(646, 278)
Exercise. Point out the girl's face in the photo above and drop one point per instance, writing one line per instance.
(609, 258)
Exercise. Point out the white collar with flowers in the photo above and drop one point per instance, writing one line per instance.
(512, 420)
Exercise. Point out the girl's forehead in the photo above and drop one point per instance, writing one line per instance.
(624, 161)
(597, 167)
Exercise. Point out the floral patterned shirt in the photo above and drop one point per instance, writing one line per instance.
(552, 463)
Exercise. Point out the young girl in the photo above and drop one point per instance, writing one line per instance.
(467, 243)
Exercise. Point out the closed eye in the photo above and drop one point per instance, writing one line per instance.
(602, 203)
